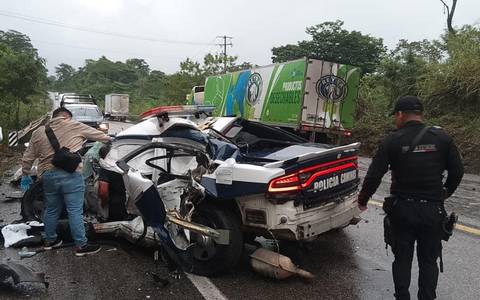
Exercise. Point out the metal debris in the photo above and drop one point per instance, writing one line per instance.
(20, 273)
(275, 265)
(26, 253)
(15, 195)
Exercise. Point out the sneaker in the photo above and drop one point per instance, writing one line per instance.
(87, 250)
(50, 245)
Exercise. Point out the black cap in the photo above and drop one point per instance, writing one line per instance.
(407, 103)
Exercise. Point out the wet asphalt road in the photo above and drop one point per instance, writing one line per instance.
(119, 271)
(348, 264)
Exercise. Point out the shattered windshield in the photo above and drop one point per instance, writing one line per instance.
(85, 112)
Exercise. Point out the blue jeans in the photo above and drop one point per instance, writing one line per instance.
(62, 188)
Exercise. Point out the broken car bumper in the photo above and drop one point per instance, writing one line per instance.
(289, 222)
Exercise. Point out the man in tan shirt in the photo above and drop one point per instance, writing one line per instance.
(60, 187)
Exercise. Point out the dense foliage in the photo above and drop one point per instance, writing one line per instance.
(23, 78)
(331, 42)
(445, 74)
(146, 87)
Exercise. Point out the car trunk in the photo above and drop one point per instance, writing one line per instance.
(313, 178)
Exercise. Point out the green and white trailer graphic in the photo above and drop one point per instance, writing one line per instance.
(304, 94)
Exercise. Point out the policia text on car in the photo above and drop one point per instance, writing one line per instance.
(417, 157)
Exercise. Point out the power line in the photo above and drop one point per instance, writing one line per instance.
(204, 49)
(224, 45)
(98, 49)
(93, 30)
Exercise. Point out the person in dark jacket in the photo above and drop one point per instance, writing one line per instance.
(418, 191)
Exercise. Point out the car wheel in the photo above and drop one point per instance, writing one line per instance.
(208, 257)
(32, 202)
(32, 205)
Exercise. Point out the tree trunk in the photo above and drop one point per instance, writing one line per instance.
(450, 13)
(17, 116)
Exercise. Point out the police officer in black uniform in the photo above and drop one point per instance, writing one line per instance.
(417, 157)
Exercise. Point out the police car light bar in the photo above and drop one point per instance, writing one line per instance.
(178, 110)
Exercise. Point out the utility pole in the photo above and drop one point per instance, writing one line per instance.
(224, 45)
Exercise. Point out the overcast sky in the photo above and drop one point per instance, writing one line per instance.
(187, 28)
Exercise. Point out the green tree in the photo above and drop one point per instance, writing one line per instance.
(193, 73)
(155, 85)
(330, 42)
(212, 65)
(146, 87)
(444, 74)
(64, 72)
(453, 85)
(98, 77)
(22, 74)
(140, 66)
(64, 78)
(142, 69)
(19, 43)
(401, 69)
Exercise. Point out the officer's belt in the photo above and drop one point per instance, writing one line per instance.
(417, 200)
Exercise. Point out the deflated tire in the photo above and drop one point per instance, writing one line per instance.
(210, 258)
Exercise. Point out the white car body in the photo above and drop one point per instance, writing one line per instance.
(247, 184)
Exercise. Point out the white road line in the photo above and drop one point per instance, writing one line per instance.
(206, 287)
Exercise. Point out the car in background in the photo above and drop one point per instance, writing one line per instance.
(88, 114)
(84, 109)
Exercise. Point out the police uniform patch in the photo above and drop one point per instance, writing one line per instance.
(425, 148)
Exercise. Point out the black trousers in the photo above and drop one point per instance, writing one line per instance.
(415, 221)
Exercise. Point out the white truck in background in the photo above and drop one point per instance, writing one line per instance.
(116, 106)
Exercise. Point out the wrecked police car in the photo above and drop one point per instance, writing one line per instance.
(201, 191)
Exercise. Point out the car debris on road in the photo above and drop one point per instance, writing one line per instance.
(276, 265)
(15, 233)
(20, 274)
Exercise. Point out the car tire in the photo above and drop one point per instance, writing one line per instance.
(32, 203)
(225, 257)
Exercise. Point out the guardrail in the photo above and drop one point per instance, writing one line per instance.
(15, 136)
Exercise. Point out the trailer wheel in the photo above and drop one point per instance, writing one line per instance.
(208, 257)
